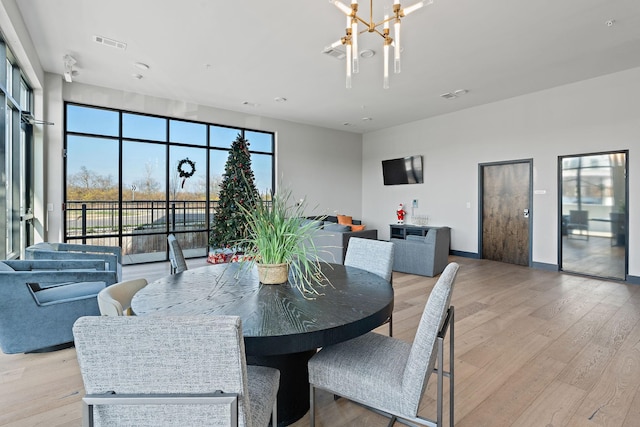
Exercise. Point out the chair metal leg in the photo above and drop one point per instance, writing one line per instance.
(87, 415)
(391, 325)
(274, 414)
(312, 406)
(440, 378)
(451, 364)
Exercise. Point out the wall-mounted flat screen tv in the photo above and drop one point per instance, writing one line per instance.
(406, 170)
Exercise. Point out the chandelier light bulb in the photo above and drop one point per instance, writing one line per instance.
(336, 44)
(385, 78)
(349, 60)
(343, 7)
(414, 7)
(396, 47)
(354, 44)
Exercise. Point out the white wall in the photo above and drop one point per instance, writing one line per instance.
(595, 115)
(321, 165)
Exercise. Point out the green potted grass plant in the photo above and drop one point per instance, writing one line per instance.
(279, 238)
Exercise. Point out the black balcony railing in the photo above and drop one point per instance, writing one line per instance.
(140, 225)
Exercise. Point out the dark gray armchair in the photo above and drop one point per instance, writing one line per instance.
(40, 300)
(111, 255)
(425, 256)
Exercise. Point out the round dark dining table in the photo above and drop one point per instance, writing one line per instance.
(281, 328)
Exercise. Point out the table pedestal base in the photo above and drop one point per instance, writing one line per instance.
(293, 395)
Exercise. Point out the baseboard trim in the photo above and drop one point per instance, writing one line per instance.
(544, 266)
(634, 280)
(465, 254)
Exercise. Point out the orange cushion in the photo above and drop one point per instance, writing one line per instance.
(345, 220)
(357, 227)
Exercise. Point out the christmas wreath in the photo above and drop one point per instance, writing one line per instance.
(185, 172)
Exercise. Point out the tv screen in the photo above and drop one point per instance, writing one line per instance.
(406, 170)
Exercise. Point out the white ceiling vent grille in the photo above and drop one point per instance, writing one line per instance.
(110, 42)
(335, 53)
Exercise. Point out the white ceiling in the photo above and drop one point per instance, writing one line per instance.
(223, 53)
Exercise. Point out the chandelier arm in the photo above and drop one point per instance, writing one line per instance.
(371, 15)
(384, 36)
(389, 19)
(362, 20)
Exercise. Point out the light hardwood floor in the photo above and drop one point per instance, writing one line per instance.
(533, 348)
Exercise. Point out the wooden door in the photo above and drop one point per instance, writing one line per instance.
(506, 194)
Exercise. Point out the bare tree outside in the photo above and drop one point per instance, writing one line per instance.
(148, 186)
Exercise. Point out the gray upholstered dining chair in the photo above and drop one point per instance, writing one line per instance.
(374, 256)
(176, 257)
(388, 374)
(171, 371)
(115, 300)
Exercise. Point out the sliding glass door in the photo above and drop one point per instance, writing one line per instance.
(16, 158)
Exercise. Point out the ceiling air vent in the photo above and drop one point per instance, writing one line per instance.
(110, 42)
(336, 53)
(448, 95)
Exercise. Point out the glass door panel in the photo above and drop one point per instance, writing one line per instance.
(188, 198)
(144, 189)
(91, 207)
(594, 214)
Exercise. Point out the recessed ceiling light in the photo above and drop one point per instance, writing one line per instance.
(611, 22)
(280, 99)
(366, 119)
(249, 104)
(141, 66)
(137, 76)
(367, 53)
(346, 124)
(455, 94)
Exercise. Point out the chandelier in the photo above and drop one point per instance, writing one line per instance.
(350, 40)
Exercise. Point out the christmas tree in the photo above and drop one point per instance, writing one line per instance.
(238, 188)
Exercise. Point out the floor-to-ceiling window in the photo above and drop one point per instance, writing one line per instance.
(16, 193)
(130, 179)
